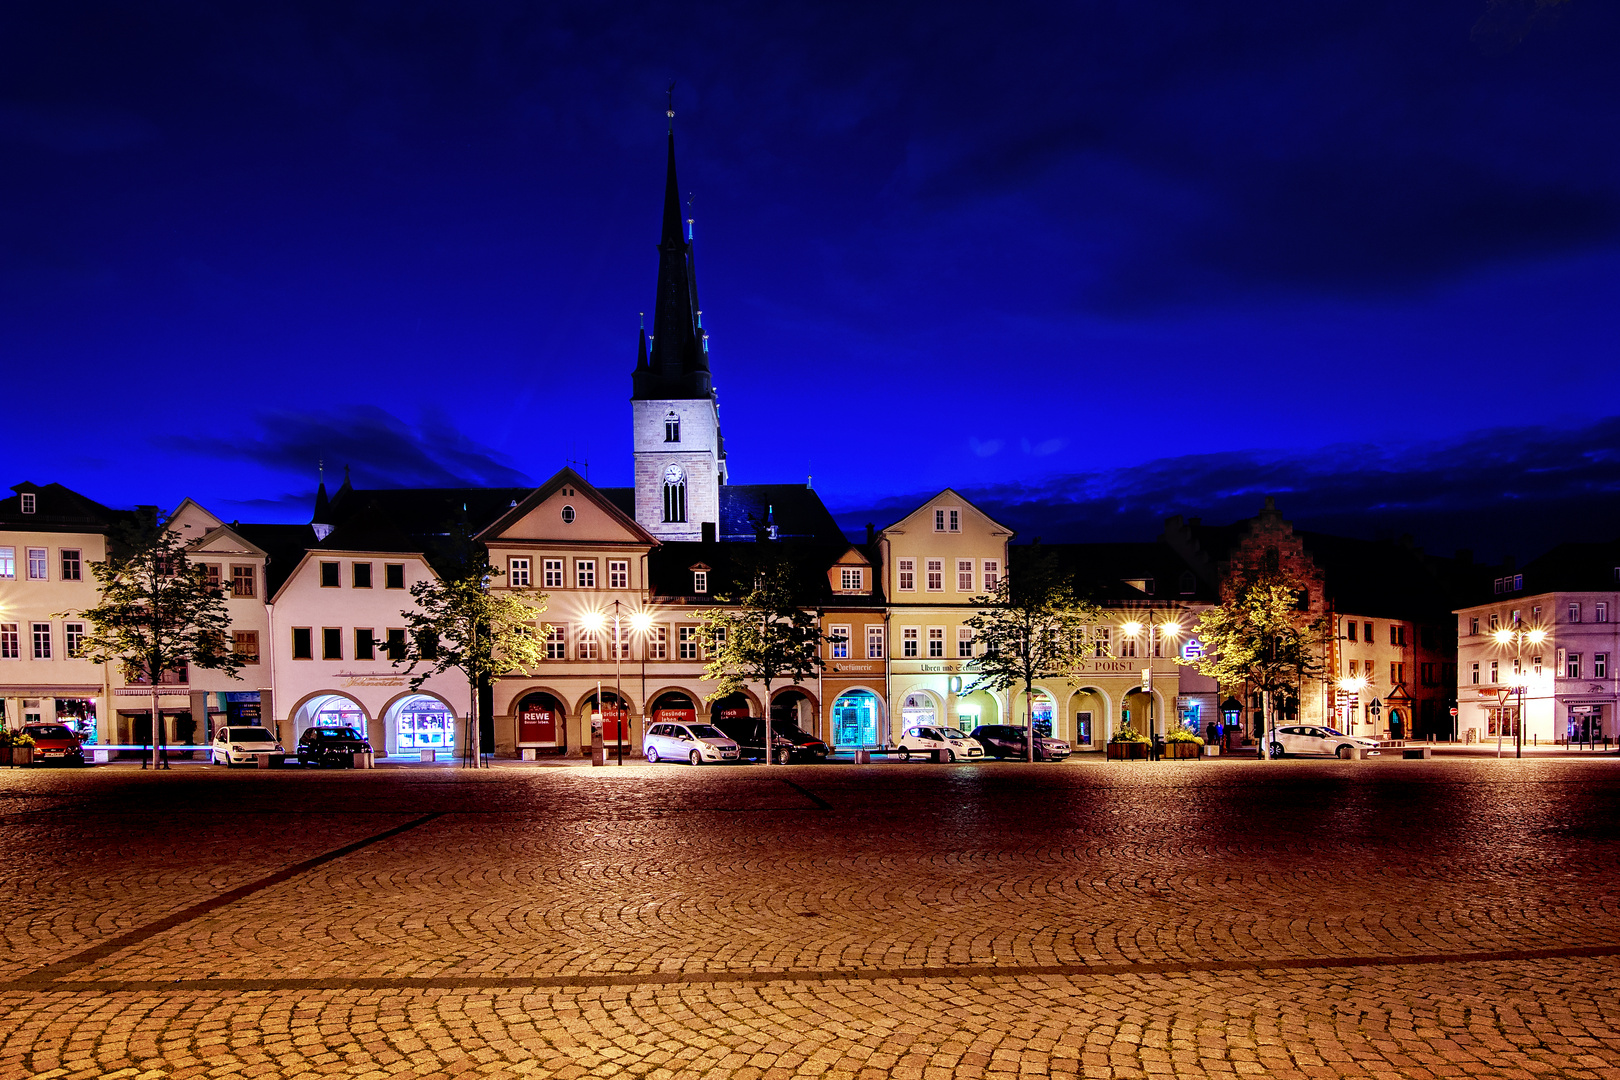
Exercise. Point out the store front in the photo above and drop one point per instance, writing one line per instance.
(610, 715)
(975, 709)
(327, 710)
(918, 708)
(673, 707)
(731, 707)
(855, 716)
(540, 721)
(79, 715)
(422, 722)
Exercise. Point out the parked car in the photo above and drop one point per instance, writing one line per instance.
(925, 739)
(55, 742)
(1012, 741)
(694, 743)
(243, 746)
(330, 746)
(790, 743)
(1311, 739)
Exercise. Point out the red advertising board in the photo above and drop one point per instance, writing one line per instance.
(674, 716)
(537, 726)
(738, 712)
(611, 716)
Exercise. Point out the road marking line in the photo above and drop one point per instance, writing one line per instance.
(48, 974)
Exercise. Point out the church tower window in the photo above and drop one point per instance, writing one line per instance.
(674, 494)
(672, 428)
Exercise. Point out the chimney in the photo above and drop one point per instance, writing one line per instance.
(871, 532)
(708, 532)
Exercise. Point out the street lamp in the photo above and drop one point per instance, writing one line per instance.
(1518, 635)
(1168, 629)
(641, 622)
(1352, 684)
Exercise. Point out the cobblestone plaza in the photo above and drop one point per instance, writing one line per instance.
(1436, 918)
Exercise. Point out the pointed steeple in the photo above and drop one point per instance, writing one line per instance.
(678, 364)
(641, 350)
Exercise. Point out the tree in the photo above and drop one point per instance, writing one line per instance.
(773, 633)
(158, 612)
(461, 622)
(1033, 627)
(1262, 633)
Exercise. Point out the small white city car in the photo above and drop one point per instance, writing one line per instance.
(243, 745)
(925, 740)
(694, 743)
(1309, 739)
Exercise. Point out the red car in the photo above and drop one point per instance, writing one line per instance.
(55, 742)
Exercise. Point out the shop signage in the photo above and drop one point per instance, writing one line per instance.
(609, 717)
(146, 691)
(857, 667)
(939, 669)
(537, 726)
(1103, 667)
(674, 716)
(734, 712)
(358, 678)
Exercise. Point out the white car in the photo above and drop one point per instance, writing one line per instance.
(925, 740)
(694, 743)
(1310, 739)
(243, 745)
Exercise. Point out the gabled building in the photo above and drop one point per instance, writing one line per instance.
(1541, 643)
(49, 536)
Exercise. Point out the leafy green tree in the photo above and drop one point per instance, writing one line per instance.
(1263, 634)
(1035, 626)
(158, 612)
(771, 633)
(461, 621)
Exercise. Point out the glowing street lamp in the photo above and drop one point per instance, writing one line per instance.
(1170, 630)
(1516, 635)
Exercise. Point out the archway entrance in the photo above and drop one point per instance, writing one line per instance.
(674, 708)
(793, 707)
(1042, 711)
(730, 707)
(855, 719)
(539, 721)
(918, 707)
(1089, 711)
(612, 714)
(422, 722)
(330, 710)
(1139, 712)
(975, 709)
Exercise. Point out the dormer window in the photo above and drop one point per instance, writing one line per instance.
(852, 580)
(672, 428)
(28, 502)
(700, 581)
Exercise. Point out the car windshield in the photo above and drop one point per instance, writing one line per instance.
(706, 731)
(337, 733)
(48, 731)
(251, 734)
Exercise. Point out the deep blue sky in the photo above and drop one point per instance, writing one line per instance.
(1134, 258)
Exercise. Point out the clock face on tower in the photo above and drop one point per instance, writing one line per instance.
(674, 475)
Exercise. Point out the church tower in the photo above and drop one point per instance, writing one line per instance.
(680, 454)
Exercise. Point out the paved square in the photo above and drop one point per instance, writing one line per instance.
(1415, 919)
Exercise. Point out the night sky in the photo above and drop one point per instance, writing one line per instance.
(1091, 263)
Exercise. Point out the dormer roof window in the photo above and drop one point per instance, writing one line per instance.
(28, 504)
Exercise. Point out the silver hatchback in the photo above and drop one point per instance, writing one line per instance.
(694, 743)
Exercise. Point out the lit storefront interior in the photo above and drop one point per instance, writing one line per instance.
(422, 722)
(855, 717)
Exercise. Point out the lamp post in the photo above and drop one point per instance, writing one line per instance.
(641, 623)
(1518, 635)
(1352, 685)
(1169, 628)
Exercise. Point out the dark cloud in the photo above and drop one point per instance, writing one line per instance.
(384, 451)
(1501, 491)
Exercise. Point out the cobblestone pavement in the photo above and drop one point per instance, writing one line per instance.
(1403, 918)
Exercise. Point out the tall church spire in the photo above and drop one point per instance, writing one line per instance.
(678, 366)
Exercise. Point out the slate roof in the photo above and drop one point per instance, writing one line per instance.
(1101, 572)
(57, 509)
(796, 510)
(670, 567)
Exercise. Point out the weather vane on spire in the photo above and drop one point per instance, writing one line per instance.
(670, 111)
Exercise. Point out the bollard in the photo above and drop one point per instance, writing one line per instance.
(262, 761)
(863, 756)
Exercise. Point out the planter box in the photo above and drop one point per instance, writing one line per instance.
(1127, 751)
(1182, 750)
(18, 755)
